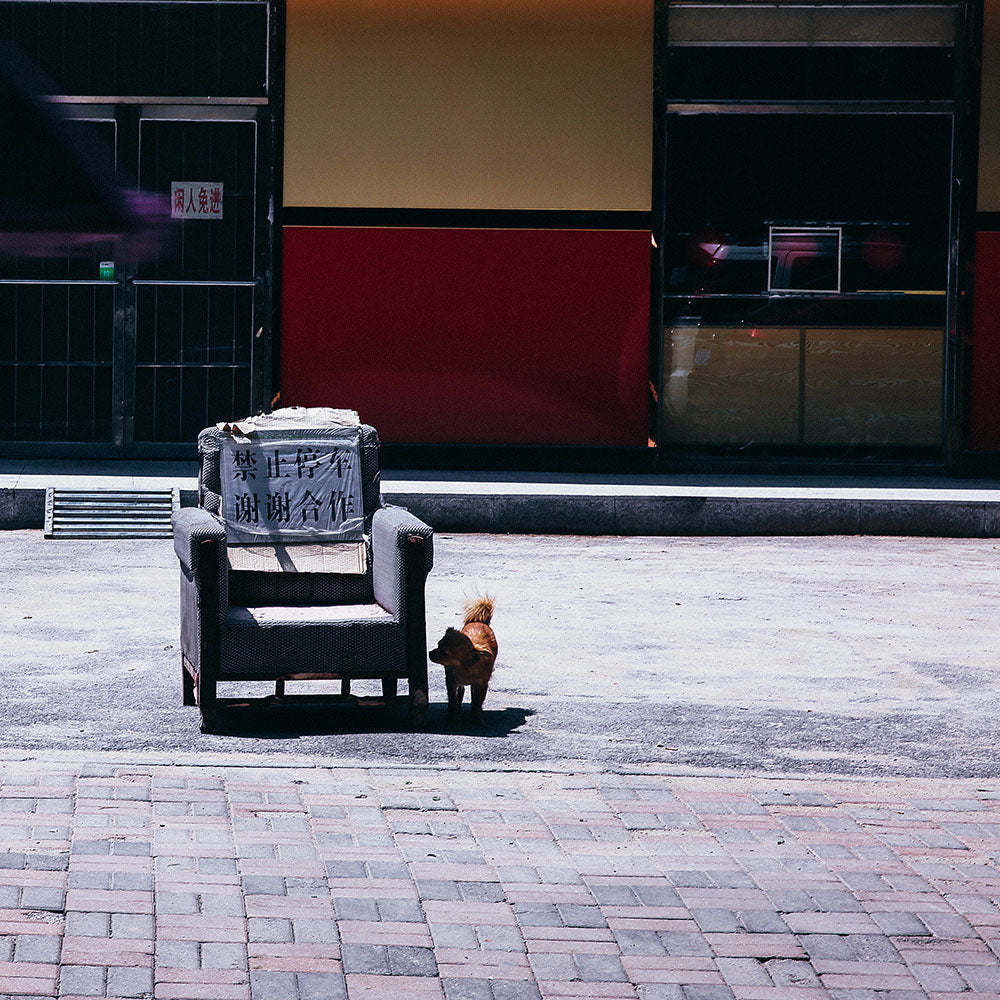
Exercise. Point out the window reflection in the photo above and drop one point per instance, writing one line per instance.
(807, 386)
(804, 259)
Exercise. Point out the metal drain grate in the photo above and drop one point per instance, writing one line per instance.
(109, 513)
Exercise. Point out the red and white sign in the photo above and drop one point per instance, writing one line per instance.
(195, 200)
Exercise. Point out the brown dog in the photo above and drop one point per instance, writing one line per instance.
(468, 656)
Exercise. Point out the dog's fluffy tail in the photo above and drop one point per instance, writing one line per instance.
(479, 609)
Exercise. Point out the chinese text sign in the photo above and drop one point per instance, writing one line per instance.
(287, 491)
(195, 200)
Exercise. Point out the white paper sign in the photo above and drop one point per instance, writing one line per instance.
(195, 199)
(292, 491)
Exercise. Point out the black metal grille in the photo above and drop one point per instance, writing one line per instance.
(142, 361)
(193, 354)
(186, 150)
(195, 320)
(173, 403)
(57, 336)
(56, 353)
(136, 49)
(101, 137)
(194, 325)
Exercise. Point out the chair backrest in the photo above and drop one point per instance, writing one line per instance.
(283, 584)
(210, 468)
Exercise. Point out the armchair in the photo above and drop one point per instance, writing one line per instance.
(308, 610)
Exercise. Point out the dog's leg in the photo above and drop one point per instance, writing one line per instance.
(478, 697)
(455, 691)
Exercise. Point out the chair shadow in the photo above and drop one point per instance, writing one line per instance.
(269, 718)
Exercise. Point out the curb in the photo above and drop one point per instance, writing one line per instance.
(610, 514)
(98, 762)
(690, 515)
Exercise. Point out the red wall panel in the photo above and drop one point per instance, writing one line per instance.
(470, 335)
(985, 421)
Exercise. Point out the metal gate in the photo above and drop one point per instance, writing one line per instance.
(194, 315)
(106, 357)
(58, 339)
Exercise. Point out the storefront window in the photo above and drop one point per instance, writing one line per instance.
(806, 256)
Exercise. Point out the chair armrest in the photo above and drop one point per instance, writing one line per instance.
(391, 529)
(200, 544)
(391, 526)
(193, 526)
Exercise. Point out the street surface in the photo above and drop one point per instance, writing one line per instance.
(841, 655)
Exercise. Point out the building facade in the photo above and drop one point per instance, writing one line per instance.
(616, 233)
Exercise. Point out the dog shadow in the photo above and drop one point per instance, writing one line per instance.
(265, 718)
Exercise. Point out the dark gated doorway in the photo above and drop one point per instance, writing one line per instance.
(105, 356)
(197, 309)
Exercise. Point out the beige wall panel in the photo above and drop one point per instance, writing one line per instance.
(989, 118)
(525, 104)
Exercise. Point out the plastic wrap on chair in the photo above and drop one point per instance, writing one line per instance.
(294, 423)
(281, 489)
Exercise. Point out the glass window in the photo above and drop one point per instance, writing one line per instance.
(882, 181)
(805, 25)
(800, 52)
(806, 265)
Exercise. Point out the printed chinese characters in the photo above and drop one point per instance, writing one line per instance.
(195, 200)
(245, 464)
(291, 485)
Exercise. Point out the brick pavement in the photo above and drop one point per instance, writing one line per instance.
(316, 883)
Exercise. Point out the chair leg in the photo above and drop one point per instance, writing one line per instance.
(208, 704)
(418, 707)
(416, 634)
(345, 687)
(419, 697)
(389, 689)
(187, 685)
(208, 660)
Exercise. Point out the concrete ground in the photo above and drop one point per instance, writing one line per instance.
(850, 655)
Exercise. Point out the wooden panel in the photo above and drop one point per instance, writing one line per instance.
(874, 386)
(725, 385)
(863, 386)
